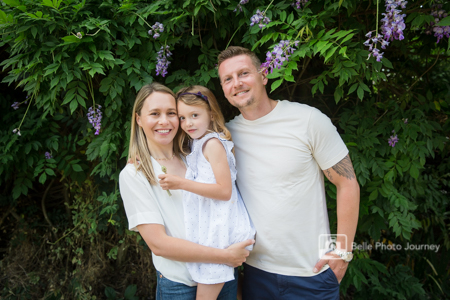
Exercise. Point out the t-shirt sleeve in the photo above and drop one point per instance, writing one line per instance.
(141, 206)
(327, 146)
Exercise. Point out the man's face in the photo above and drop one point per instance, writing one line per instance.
(241, 82)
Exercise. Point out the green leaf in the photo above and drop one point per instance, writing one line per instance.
(444, 22)
(77, 168)
(73, 106)
(47, 3)
(276, 84)
(360, 92)
(130, 291)
(50, 172)
(290, 18)
(13, 3)
(352, 88)
(71, 39)
(42, 178)
(414, 172)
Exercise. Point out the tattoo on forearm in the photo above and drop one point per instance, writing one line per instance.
(345, 168)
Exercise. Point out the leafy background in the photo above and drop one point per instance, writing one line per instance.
(63, 225)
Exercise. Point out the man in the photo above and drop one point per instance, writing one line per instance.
(282, 148)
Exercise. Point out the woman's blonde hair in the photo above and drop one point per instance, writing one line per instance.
(192, 95)
(138, 151)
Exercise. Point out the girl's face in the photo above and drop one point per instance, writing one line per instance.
(159, 118)
(195, 120)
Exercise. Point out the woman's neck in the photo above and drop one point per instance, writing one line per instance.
(164, 152)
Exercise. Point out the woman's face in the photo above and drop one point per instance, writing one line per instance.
(159, 118)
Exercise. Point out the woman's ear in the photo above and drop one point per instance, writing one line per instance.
(138, 119)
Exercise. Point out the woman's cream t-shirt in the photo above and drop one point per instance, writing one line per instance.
(149, 204)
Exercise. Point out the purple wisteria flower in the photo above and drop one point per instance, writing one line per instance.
(372, 44)
(405, 120)
(393, 22)
(155, 28)
(260, 19)
(48, 155)
(16, 131)
(162, 62)
(298, 4)
(393, 140)
(239, 6)
(278, 56)
(439, 31)
(15, 105)
(95, 118)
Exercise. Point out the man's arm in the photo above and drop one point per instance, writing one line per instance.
(343, 177)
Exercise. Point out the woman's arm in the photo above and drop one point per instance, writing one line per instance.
(215, 153)
(182, 250)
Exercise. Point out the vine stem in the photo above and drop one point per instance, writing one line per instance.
(233, 35)
(28, 107)
(142, 19)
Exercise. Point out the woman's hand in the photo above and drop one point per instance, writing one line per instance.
(237, 254)
(170, 182)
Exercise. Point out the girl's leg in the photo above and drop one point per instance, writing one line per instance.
(208, 291)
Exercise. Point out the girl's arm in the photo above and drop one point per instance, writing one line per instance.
(215, 153)
(182, 250)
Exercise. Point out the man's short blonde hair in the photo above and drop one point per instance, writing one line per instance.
(233, 51)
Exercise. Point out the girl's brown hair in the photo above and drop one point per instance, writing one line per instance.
(138, 151)
(217, 122)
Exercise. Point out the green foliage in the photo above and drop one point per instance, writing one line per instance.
(68, 55)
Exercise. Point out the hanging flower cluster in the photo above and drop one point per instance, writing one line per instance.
(393, 139)
(298, 4)
(393, 22)
(48, 155)
(155, 28)
(278, 56)
(372, 44)
(16, 131)
(95, 118)
(439, 31)
(15, 105)
(239, 6)
(260, 19)
(162, 62)
(392, 28)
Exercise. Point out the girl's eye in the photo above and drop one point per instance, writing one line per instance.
(181, 118)
(194, 115)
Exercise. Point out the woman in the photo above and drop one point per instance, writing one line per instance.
(150, 210)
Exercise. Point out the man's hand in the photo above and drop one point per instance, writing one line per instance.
(170, 182)
(237, 254)
(336, 263)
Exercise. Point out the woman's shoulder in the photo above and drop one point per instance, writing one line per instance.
(129, 171)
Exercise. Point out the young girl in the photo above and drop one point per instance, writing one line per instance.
(214, 213)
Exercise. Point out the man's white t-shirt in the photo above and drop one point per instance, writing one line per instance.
(279, 159)
(150, 204)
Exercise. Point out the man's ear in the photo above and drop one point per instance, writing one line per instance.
(265, 79)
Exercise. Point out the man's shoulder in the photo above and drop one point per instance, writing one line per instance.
(234, 121)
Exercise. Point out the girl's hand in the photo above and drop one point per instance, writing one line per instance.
(170, 182)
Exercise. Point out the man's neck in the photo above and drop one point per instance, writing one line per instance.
(254, 113)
